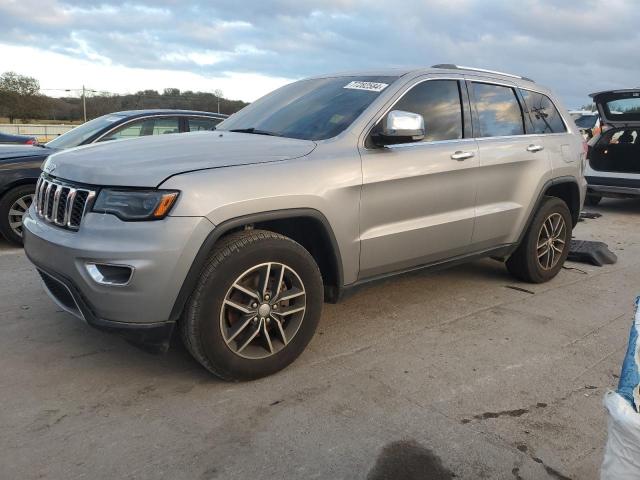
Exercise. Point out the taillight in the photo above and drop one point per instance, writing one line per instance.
(583, 157)
(31, 141)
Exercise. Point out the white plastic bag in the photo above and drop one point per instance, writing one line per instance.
(622, 452)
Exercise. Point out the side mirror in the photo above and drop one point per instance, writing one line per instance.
(400, 127)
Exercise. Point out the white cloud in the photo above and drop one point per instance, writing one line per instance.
(58, 71)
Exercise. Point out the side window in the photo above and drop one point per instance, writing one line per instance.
(544, 115)
(498, 109)
(438, 101)
(199, 124)
(147, 126)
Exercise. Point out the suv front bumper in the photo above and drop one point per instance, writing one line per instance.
(160, 254)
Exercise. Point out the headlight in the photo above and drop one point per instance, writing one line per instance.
(131, 205)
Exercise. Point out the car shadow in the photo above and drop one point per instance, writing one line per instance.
(616, 205)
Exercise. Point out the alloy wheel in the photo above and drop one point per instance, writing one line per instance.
(551, 241)
(263, 310)
(17, 211)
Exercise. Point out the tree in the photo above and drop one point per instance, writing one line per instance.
(19, 96)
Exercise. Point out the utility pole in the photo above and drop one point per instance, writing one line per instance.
(218, 94)
(84, 104)
(84, 99)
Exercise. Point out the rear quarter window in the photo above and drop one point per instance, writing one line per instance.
(544, 116)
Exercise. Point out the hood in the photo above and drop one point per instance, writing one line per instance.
(13, 152)
(148, 161)
(619, 108)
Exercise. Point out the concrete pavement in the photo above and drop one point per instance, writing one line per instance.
(420, 376)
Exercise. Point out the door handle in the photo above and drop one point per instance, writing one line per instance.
(459, 155)
(534, 148)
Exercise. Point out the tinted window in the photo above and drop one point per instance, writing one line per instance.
(544, 115)
(314, 109)
(498, 110)
(147, 126)
(586, 121)
(438, 101)
(199, 124)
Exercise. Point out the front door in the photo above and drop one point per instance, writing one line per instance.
(418, 199)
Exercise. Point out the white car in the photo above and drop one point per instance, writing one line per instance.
(587, 121)
(613, 169)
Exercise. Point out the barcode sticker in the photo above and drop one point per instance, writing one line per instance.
(369, 86)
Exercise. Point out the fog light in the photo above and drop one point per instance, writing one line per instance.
(108, 274)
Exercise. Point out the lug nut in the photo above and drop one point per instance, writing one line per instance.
(267, 296)
(254, 305)
(275, 306)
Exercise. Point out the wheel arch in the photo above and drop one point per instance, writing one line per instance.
(566, 189)
(307, 226)
(20, 182)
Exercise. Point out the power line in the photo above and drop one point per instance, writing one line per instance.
(196, 95)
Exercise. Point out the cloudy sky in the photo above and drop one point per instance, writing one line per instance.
(249, 47)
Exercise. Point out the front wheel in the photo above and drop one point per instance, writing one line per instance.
(13, 207)
(256, 306)
(545, 246)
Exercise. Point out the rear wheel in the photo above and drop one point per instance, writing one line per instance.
(255, 308)
(545, 246)
(592, 200)
(13, 207)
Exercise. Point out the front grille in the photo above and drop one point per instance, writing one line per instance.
(61, 204)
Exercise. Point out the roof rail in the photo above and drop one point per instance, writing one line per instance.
(452, 66)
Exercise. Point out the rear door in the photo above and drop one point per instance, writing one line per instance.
(563, 147)
(418, 199)
(510, 162)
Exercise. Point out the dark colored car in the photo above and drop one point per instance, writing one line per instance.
(8, 138)
(20, 164)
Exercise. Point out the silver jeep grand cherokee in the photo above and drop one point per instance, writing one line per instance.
(237, 236)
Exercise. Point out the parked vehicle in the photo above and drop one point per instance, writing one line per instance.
(20, 165)
(319, 187)
(588, 122)
(10, 139)
(614, 155)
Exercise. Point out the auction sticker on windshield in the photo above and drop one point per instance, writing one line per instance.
(369, 86)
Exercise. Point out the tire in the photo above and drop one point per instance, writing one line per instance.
(211, 315)
(526, 263)
(592, 200)
(11, 206)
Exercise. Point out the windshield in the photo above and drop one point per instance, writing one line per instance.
(314, 109)
(79, 134)
(586, 121)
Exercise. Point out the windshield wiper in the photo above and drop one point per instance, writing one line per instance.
(254, 131)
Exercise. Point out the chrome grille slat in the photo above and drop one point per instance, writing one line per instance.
(67, 209)
(61, 204)
(47, 200)
(56, 203)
